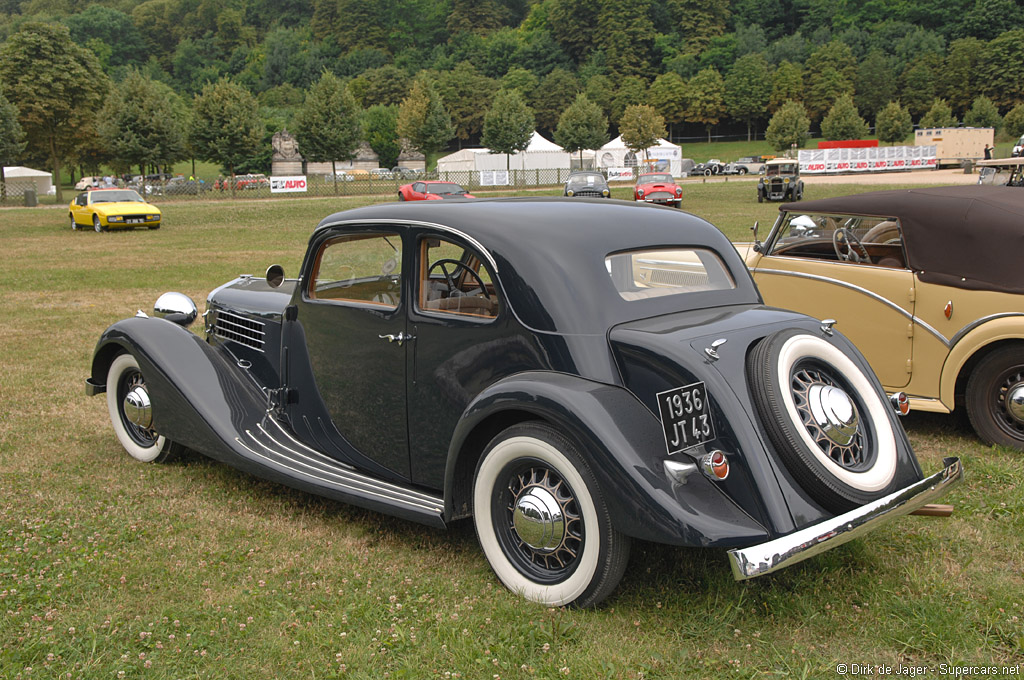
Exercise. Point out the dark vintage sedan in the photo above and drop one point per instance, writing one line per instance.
(587, 184)
(567, 383)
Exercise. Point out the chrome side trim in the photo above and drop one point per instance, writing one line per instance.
(767, 557)
(977, 322)
(871, 294)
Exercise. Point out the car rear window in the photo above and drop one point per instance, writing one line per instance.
(644, 274)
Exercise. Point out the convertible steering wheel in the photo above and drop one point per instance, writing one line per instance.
(845, 238)
(449, 275)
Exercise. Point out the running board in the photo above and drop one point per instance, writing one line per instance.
(270, 445)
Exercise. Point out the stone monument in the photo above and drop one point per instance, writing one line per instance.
(286, 159)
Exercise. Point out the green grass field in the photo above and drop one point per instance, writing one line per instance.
(114, 569)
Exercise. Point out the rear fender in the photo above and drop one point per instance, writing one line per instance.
(974, 343)
(622, 442)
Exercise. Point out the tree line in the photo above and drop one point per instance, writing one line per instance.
(432, 72)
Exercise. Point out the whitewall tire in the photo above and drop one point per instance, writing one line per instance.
(140, 441)
(542, 521)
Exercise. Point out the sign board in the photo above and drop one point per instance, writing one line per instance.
(880, 159)
(492, 178)
(620, 174)
(280, 185)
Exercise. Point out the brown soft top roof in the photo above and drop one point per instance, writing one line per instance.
(964, 236)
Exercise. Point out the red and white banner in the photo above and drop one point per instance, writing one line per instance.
(876, 159)
(280, 185)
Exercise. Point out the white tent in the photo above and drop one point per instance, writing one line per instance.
(539, 155)
(614, 154)
(19, 178)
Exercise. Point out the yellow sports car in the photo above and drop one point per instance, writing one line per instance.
(927, 283)
(112, 209)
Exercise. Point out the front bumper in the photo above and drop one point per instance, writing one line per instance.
(767, 557)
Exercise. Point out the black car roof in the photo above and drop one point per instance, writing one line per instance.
(550, 253)
(961, 236)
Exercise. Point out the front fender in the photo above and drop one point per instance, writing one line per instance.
(204, 401)
(1010, 327)
(623, 443)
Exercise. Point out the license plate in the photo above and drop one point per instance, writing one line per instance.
(135, 220)
(686, 417)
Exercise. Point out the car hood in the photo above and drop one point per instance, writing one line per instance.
(657, 185)
(124, 206)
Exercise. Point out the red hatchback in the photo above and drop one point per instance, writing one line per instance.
(658, 187)
(431, 191)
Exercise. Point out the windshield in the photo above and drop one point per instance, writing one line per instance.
(445, 188)
(120, 196)
(656, 178)
(782, 169)
(590, 179)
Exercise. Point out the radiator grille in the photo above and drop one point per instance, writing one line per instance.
(243, 330)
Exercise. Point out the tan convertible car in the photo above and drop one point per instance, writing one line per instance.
(928, 283)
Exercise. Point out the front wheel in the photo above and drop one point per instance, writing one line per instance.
(401, 197)
(542, 521)
(995, 397)
(131, 413)
(707, 173)
(97, 225)
(760, 197)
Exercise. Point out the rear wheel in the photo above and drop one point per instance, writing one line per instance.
(825, 419)
(74, 225)
(131, 413)
(743, 171)
(542, 521)
(995, 397)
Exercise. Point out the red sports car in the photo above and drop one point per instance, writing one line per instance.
(658, 187)
(431, 191)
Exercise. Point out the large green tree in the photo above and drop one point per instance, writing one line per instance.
(380, 130)
(12, 140)
(582, 126)
(641, 126)
(983, 113)
(875, 84)
(893, 123)
(143, 124)
(226, 126)
(668, 96)
(938, 116)
(1014, 121)
(508, 125)
(1001, 69)
(959, 76)
(423, 119)
(553, 95)
(748, 89)
(787, 85)
(327, 126)
(466, 94)
(705, 99)
(625, 33)
(57, 87)
(843, 122)
(829, 73)
(789, 127)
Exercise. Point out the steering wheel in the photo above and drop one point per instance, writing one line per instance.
(845, 238)
(449, 275)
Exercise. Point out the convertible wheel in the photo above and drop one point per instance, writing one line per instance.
(131, 413)
(825, 418)
(542, 522)
(96, 224)
(995, 397)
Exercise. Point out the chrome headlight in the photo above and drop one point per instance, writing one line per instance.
(605, 193)
(152, 218)
(639, 192)
(570, 192)
(115, 218)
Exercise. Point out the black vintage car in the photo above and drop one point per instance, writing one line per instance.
(568, 383)
(780, 181)
(587, 184)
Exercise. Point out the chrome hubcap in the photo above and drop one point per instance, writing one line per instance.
(137, 407)
(834, 413)
(831, 418)
(538, 519)
(1015, 402)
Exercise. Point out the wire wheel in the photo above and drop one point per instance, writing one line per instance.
(838, 435)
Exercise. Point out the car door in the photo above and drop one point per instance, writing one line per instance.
(417, 191)
(462, 344)
(78, 209)
(350, 337)
(872, 301)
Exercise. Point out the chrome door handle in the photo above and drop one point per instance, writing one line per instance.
(400, 338)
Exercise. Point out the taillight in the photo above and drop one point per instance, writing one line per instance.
(715, 466)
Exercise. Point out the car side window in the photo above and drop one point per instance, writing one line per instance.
(418, 187)
(81, 199)
(364, 268)
(454, 280)
(856, 239)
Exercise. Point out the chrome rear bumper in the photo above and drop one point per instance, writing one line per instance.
(767, 557)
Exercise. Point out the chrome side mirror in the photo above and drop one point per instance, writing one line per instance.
(275, 275)
(757, 244)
